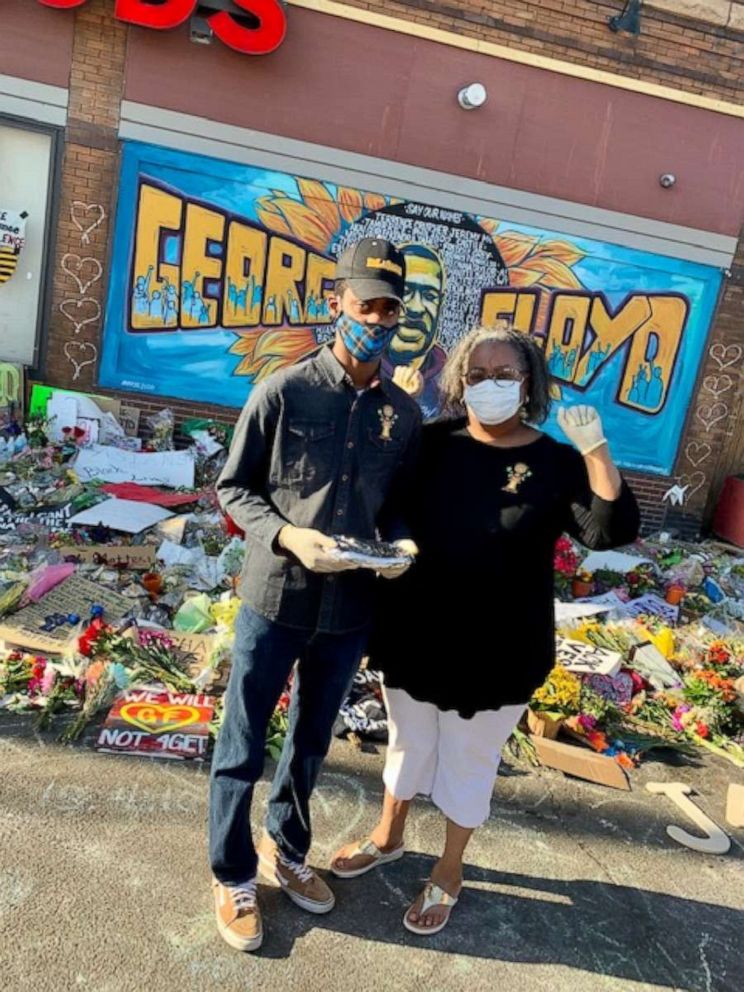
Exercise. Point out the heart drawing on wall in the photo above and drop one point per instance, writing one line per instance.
(725, 357)
(81, 214)
(75, 311)
(692, 483)
(717, 385)
(697, 451)
(74, 265)
(80, 348)
(710, 414)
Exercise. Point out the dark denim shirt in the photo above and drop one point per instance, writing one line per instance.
(309, 451)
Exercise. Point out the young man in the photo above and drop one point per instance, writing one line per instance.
(322, 448)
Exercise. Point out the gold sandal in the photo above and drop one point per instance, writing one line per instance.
(433, 896)
(371, 849)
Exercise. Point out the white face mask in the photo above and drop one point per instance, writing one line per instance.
(492, 404)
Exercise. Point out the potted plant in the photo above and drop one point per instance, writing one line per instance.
(582, 584)
(558, 697)
(675, 593)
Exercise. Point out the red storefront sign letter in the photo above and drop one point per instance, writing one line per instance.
(260, 40)
(149, 15)
(62, 4)
(252, 41)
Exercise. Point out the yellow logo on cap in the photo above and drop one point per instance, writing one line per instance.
(384, 263)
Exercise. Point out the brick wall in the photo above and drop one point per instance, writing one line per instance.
(671, 50)
(89, 179)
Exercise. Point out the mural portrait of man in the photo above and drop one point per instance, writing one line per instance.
(414, 342)
(449, 259)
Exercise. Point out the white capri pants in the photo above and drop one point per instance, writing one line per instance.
(438, 753)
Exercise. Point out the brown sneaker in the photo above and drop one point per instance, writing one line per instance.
(238, 915)
(302, 884)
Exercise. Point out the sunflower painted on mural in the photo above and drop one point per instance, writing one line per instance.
(451, 257)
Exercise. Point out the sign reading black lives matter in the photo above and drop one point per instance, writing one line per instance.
(579, 657)
(12, 240)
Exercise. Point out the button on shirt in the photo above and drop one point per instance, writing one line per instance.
(312, 451)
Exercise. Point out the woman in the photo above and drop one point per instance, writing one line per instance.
(468, 634)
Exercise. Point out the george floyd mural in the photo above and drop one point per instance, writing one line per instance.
(221, 272)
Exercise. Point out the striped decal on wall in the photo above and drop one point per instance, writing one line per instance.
(8, 263)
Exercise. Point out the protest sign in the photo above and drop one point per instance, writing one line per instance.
(153, 721)
(577, 656)
(73, 597)
(653, 604)
(153, 468)
(134, 556)
(51, 517)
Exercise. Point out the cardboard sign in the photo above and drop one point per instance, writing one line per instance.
(136, 557)
(156, 468)
(129, 418)
(580, 608)
(577, 656)
(201, 648)
(51, 517)
(122, 514)
(581, 763)
(11, 393)
(75, 595)
(158, 723)
(654, 605)
(608, 601)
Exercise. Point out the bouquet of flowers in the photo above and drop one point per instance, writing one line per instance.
(565, 562)
(102, 682)
(641, 580)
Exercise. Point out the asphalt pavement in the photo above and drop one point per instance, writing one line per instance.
(105, 887)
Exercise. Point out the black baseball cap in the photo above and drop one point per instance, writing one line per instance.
(373, 267)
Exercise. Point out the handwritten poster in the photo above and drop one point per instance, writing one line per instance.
(156, 468)
(579, 657)
(152, 721)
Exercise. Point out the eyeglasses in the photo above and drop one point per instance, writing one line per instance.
(502, 376)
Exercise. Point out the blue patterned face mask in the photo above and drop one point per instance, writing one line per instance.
(365, 342)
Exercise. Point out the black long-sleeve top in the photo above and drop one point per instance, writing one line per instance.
(470, 626)
(311, 450)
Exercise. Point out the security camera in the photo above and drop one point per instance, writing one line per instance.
(473, 96)
(667, 180)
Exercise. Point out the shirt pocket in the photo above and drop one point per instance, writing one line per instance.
(381, 459)
(308, 457)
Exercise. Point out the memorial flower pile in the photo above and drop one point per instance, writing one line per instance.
(680, 682)
(673, 612)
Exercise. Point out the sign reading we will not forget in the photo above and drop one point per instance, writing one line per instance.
(151, 721)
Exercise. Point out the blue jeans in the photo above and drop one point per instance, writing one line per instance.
(263, 657)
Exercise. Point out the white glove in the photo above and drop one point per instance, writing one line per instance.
(583, 427)
(409, 379)
(393, 571)
(311, 547)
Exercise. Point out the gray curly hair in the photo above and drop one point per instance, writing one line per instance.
(451, 386)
